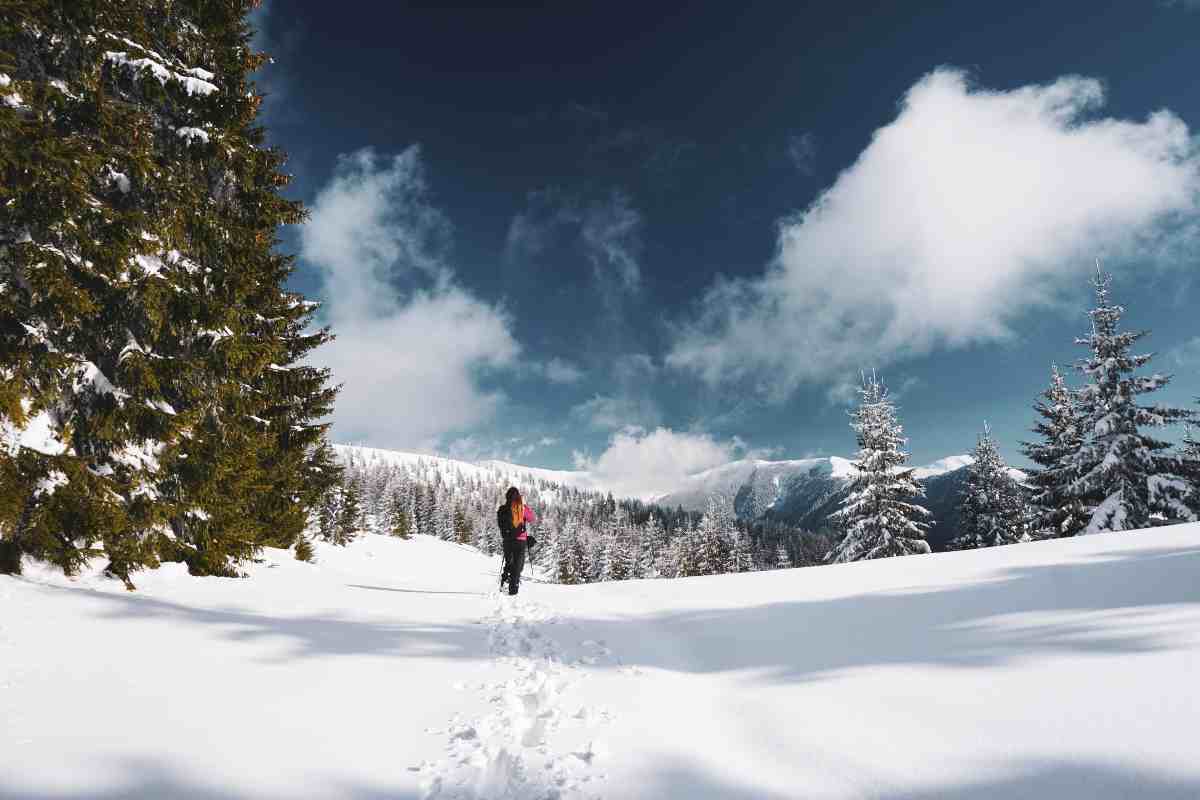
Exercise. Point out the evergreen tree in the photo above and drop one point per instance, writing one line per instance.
(152, 400)
(1190, 458)
(349, 519)
(329, 512)
(742, 557)
(564, 563)
(399, 522)
(462, 527)
(1056, 512)
(992, 505)
(618, 558)
(714, 537)
(878, 515)
(304, 549)
(652, 543)
(782, 559)
(1123, 476)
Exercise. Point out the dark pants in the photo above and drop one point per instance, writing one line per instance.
(514, 564)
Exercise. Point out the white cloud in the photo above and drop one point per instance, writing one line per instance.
(409, 360)
(967, 211)
(559, 370)
(647, 464)
(630, 403)
(608, 228)
(609, 412)
(612, 233)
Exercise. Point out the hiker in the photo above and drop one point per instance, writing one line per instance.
(512, 517)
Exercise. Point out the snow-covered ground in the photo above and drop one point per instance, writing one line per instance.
(390, 669)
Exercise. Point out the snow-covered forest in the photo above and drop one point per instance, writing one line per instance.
(583, 536)
(1097, 468)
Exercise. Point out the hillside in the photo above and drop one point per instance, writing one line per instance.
(803, 492)
(389, 669)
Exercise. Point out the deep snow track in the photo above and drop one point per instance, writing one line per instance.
(518, 750)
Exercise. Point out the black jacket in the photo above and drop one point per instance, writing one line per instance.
(508, 532)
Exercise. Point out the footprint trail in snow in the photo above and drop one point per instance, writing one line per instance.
(532, 744)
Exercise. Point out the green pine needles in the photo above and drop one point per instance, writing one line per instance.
(155, 402)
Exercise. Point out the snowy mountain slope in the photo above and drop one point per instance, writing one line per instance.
(807, 491)
(491, 470)
(803, 491)
(1059, 669)
(770, 483)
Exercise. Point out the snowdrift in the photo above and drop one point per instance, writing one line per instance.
(391, 669)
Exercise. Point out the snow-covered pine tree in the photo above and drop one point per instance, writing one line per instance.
(878, 515)
(992, 505)
(142, 305)
(1123, 477)
(399, 521)
(328, 512)
(463, 534)
(782, 559)
(653, 541)
(714, 553)
(1190, 457)
(1055, 511)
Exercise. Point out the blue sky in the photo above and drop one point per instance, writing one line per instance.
(651, 239)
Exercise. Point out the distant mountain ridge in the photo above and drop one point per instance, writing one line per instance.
(802, 492)
(806, 492)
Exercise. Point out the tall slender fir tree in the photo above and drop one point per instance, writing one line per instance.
(879, 515)
(992, 506)
(1123, 477)
(1056, 512)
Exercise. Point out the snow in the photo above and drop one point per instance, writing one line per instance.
(162, 406)
(151, 265)
(39, 434)
(192, 135)
(390, 668)
(88, 375)
(488, 470)
(49, 484)
(692, 494)
(943, 466)
(190, 79)
(121, 179)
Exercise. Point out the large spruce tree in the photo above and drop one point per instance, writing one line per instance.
(879, 515)
(154, 405)
(1056, 511)
(992, 505)
(1123, 477)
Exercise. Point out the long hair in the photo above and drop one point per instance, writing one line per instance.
(515, 506)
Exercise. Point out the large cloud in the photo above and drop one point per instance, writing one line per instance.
(648, 464)
(967, 211)
(410, 341)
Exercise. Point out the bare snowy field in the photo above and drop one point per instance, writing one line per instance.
(1066, 669)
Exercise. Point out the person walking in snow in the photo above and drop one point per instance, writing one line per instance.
(512, 517)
